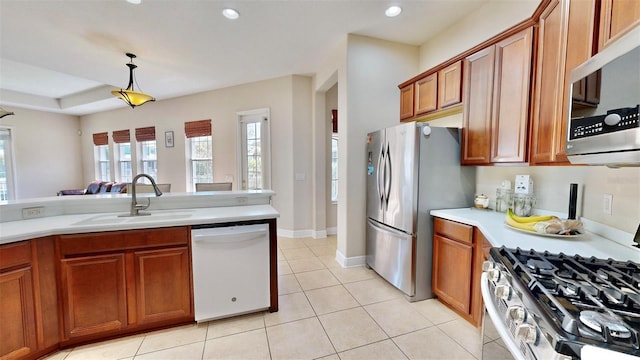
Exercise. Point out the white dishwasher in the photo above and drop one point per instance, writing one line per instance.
(230, 270)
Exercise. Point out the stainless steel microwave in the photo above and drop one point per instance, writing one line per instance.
(604, 113)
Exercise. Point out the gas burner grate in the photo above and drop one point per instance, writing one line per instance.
(568, 286)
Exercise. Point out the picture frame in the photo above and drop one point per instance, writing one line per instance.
(168, 139)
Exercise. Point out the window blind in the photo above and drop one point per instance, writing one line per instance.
(100, 139)
(146, 133)
(121, 136)
(197, 128)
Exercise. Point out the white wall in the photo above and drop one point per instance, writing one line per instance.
(288, 99)
(489, 20)
(47, 152)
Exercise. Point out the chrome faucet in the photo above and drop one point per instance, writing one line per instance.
(135, 207)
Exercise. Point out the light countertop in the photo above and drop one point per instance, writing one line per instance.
(492, 225)
(86, 213)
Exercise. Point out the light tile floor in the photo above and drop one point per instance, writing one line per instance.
(326, 312)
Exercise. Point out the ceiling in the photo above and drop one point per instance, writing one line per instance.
(66, 56)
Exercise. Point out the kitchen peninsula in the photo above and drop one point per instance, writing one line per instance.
(75, 270)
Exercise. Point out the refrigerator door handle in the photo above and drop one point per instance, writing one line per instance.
(380, 177)
(388, 176)
(386, 229)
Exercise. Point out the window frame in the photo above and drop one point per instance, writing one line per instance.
(192, 179)
(142, 160)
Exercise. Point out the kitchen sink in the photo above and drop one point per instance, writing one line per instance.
(112, 219)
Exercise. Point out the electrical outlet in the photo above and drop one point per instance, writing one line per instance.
(607, 204)
(242, 200)
(32, 212)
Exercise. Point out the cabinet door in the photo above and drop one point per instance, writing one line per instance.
(406, 102)
(452, 272)
(565, 41)
(93, 294)
(450, 85)
(478, 90)
(426, 94)
(511, 90)
(616, 17)
(18, 326)
(163, 285)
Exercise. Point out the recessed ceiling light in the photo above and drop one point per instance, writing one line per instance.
(393, 10)
(135, 2)
(230, 13)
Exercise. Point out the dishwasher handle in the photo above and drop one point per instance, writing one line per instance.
(229, 238)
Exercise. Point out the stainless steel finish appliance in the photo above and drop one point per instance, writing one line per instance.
(411, 169)
(556, 306)
(604, 121)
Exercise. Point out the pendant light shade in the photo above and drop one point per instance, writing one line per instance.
(129, 95)
(4, 113)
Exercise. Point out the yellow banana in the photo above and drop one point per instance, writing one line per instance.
(527, 226)
(529, 219)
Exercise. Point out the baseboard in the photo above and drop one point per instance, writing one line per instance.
(353, 261)
(332, 231)
(295, 234)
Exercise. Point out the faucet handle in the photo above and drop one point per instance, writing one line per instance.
(142, 206)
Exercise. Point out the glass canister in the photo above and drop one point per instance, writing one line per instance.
(523, 204)
(504, 199)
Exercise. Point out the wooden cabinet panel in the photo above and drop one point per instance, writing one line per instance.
(406, 102)
(93, 294)
(450, 85)
(616, 18)
(565, 41)
(478, 90)
(453, 230)
(163, 284)
(426, 94)
(15, 255)
(452, 272)
(510, 106)
(18, 325)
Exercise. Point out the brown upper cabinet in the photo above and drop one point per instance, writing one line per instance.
(432, 90)
(496, 101)
(564, 42)
(616, 18)
(406, 102)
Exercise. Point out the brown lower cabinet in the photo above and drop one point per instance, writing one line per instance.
(123, 281)
(28, 307)
(458, 253)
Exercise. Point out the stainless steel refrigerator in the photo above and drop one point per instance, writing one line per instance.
(411, 169)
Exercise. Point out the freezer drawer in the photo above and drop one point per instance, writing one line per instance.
(391, 254)
(230, 270)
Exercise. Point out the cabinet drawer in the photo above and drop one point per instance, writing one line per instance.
(453, 230)
(121, 240)
(15, 254)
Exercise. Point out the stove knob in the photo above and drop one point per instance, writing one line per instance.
(517, 314)
(493, 275)
(527, 333)
(503, 292)
(488, 265)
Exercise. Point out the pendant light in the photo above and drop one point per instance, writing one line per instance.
(130, 96)
(4, 112)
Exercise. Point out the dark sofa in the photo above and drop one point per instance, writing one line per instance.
(97, 187)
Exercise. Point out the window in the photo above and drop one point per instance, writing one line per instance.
(254, 162)
(201, 160)
(199, 151)
(122, 155)
(7, 189)
(146, 152)
(101, 156)
(334, 167)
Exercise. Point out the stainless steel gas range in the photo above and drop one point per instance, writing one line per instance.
(556, 306)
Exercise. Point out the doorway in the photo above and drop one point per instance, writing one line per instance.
(254, 163)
